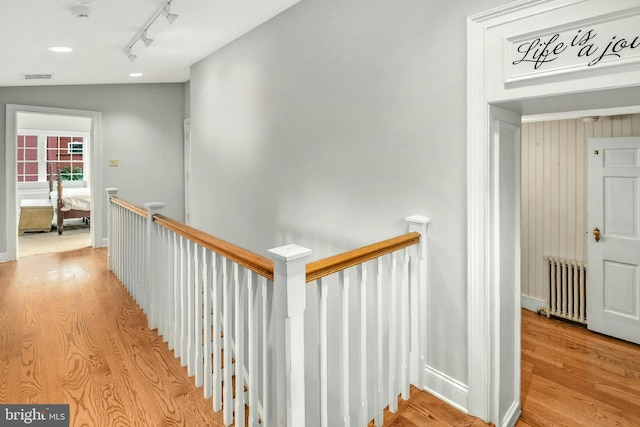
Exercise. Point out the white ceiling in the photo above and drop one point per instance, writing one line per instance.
(29, 27)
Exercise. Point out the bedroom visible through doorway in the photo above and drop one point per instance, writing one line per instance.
(53, 149)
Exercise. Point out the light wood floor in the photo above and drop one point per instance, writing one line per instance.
(69, 333)
(574, 377)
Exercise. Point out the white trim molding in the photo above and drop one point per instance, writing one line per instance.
(95, 161)
(532, 303)
(446, 388)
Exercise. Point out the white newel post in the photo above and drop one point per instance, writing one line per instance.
(289, 303)
(420, 289)
(110, 193)
(151, 264)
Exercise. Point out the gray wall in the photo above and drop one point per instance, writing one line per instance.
(329, 124)
(141, 125)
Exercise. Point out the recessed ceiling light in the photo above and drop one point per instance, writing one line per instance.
(135, 75)
(60, 49)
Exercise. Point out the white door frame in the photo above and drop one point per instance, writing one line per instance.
(483, 243)
(11, 178)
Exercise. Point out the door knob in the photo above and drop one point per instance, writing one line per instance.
(596, 234)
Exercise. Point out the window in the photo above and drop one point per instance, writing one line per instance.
(75, 148)
(66, 153)
(40, 156)
(27, 158)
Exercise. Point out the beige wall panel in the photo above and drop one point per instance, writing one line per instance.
(554, 199)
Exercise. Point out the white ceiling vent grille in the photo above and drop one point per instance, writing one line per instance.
(37, 76)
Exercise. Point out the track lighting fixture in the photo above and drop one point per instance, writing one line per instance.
(142, 35)
(130, 55)
(168, 15)
(144, 39)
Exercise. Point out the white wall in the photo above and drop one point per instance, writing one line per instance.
(332, 122)
(554, 191)
(141, 125)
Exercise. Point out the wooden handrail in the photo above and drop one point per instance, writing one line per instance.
(264, 266)
(133, 208)
(250, 260)
(333, 264)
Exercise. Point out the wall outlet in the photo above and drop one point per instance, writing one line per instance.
(114, 163)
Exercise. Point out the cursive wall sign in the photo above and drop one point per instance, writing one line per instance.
(615, 41)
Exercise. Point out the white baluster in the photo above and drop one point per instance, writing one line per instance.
(239, 346)
(254, 373)
(406, 327)
(227, 385)
(207, 300)
(184, 343)
(170, 289)
(127, 255)
(190, 315)
(217, 350)
(289, 303)
(393, 336)
(344, 365)
(362, 285)
(378, 397)
(174, 298)
(198, 321)
(322, 291)
(177, 313)
(267, 330)
(164, 314)
(128, 258)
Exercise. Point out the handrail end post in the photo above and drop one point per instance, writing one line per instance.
(418, 221)
(420, 224)
(289, 303)
(419, 308)
(151, 262)
(111, 192)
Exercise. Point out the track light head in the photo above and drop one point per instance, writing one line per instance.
(130, 55)
(146, 40)
(168, 15)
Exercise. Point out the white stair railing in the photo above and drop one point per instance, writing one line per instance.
(237, 320)
(377, 369)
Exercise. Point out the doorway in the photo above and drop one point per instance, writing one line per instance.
(19, 118)
(496, 79)
(554, 192)
(51, 146)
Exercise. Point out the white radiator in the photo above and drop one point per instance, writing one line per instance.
(567, 285)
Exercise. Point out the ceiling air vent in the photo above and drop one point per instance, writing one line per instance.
(37, 76)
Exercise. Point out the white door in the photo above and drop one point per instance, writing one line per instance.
(613, 273)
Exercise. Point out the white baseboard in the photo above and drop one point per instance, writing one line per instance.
(4, 256)
(531, 303)
(447, 389)
(512, 416)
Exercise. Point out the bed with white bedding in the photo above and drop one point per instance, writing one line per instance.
(70, 203)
